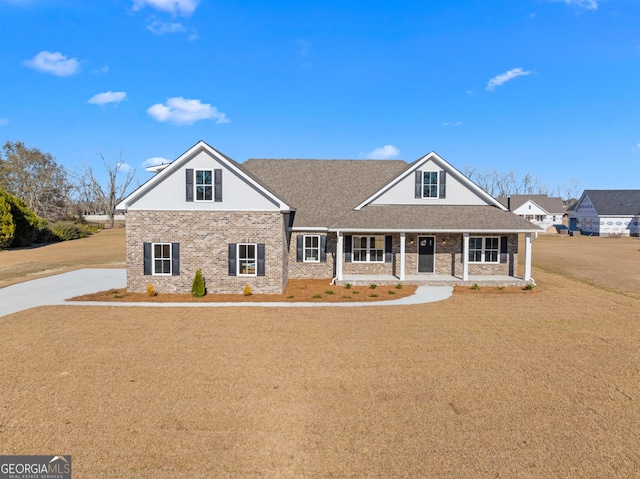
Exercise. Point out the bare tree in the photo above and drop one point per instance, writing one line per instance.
(35, 178)
(99, 196)
(504, 184)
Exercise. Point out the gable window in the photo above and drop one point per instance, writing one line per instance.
(204, 185)
(484, 249)
(430, 184)
(312, 249)
(368, 249)
(247, 259)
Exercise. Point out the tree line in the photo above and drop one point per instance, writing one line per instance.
(53, 193)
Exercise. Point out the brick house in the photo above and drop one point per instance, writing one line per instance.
(266, 221)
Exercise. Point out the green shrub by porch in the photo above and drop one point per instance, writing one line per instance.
(197, 288)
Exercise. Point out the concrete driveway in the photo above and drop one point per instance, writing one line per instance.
(56, 289)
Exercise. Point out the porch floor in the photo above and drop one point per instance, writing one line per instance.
(433, 280)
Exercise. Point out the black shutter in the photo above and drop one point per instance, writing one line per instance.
(260, 259)
(504, 241)
(323, 248)
(299, 248)
(347, 249)
(146, 248)
(443, 184)
(388, 244)
(217, 185)
(175, 259)
(189, 184)
(232, 259)
(418, 184)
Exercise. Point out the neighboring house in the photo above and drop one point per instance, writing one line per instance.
(266, 221)
(541, 210)
(606, 212)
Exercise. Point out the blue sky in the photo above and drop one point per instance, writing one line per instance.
(540, 86)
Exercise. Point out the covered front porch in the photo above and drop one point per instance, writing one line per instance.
(433, 258)
(432, 280)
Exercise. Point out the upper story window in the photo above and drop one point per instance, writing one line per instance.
(430, 184)
(204, 185)
(368, 249)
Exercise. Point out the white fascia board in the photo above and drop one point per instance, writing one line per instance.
(436, 230)
(190, 153)
(445, 166)
(308, 228)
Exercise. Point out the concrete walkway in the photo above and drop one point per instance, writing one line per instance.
(53, 290)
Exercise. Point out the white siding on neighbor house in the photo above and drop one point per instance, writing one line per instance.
(530, 209)
(587, 218)
(618, 225)
(170, 194)
(403, 193)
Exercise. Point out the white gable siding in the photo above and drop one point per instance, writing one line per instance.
(170, 193)
(530, 208)
(403, 192)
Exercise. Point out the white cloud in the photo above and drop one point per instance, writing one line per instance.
(452, 123)
(505, 77)
(586, 4)
(108, 97)
(4, 121)
(122, 167)
(383, 153)
(104, 70)
(175, 7)
(156, 160)
(185, 111)
(54, 63)
(160, 28)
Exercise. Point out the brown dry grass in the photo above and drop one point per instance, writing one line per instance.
(106, 248)
(486, 384)
(297, 290)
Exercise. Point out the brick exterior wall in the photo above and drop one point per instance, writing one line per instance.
(320, 270)
(204, 237)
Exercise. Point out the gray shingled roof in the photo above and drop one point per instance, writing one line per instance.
(433, 218)
(615, 202)
(322, 191)
(551, 204)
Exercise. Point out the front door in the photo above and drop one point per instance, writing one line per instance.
(426, 249)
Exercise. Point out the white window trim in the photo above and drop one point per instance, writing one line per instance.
(367, 249)
(195, 186)
(305, 248)
(239, 265)
(437, 185)
(484, 249)
(153, 259)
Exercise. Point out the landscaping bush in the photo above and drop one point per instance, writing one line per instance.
(7, 226)
(26, 224)
(151, 291)
(247, 290)
(69, 230)
(197, 288)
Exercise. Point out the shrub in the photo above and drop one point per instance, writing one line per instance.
(528, 287)
(391, 291)
(373, 295)
(475, 286)
(69, 230)
(7, 226)
(26, 224)
(372, 286)
(399, 285)
(501, 287)
(151, 291)
(329, 291)
(317, 296)
(247, 290)
(348, 286)
(197, 287)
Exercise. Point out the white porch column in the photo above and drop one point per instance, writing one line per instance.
(339, 249)
(527, 256)
(465, 257)
(402, 243)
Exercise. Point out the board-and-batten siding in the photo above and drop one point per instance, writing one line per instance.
(237, 194)
(403, 193)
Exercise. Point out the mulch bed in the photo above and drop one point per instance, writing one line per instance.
(317, 291)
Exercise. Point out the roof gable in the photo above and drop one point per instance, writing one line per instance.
(550, 204)
(460, 190)
(166, 190)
